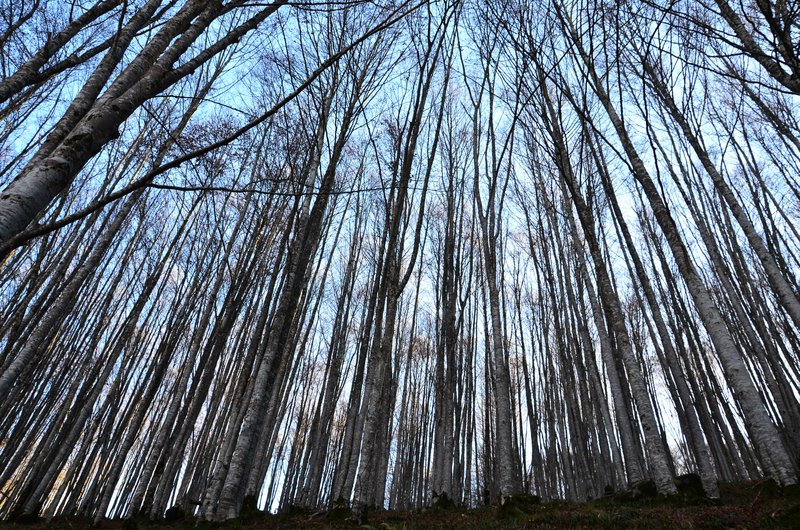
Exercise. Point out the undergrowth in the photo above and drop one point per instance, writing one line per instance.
(751, 505)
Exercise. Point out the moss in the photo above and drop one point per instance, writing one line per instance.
(175, 515)
(22, 518)
(296, 511)
(338, 514)
(690, 485)
(770, 489)
(749, 505)
(788, 518)
(645, 489)
(792, 492)
(26, 519)
(518, 506)
(130, 524)
(249, 511)
(442, 501)
(233, 524)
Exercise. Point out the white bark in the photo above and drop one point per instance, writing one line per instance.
(765, 433)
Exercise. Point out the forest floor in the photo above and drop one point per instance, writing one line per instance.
(751, 505)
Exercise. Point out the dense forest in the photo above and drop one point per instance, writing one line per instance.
(390, 253)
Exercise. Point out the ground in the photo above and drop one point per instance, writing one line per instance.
(751, 505)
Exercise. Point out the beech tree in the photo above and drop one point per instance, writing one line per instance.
(386, 255)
